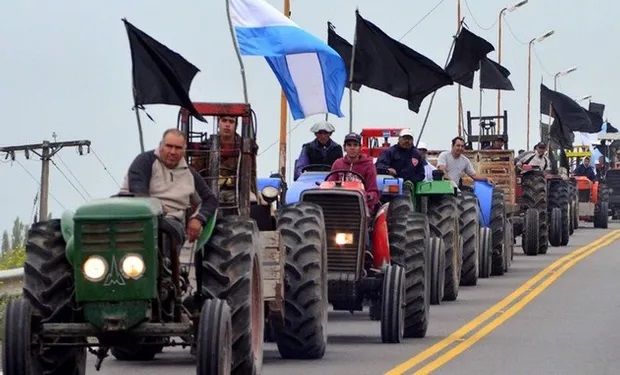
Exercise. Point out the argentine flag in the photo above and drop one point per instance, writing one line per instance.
(311, 73)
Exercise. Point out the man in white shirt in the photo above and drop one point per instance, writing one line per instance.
(536, 158)
(454, 163)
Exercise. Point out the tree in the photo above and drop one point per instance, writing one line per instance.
(6, 244)
(18, 234)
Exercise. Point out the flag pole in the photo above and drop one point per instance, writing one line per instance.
(136, 109)
(351, 67)
(283, 111)
(430, 105)
(241, 66)
(459, 104)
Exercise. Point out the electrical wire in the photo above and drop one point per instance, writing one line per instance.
(105, 167)
(421, 19)
(514, 36)
(73, 175)
(39, 184)
(476, 21)
(542, 66)
(68, 180)
(288, 134)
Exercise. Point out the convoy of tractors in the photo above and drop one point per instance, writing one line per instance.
(108, 277)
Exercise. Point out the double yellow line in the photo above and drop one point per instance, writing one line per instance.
(466, 336)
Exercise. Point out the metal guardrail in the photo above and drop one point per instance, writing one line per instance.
(11, 281)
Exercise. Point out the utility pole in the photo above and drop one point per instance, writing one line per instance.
(45, 151)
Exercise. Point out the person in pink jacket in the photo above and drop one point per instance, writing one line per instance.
(355, 161)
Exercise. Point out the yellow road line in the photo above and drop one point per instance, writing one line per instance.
(459, 335)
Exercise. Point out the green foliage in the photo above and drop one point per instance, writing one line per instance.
(13, 259)
(18, 233)
(6, 243)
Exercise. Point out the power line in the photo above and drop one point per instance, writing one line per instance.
(105, 167)
(289, 133)
(73, 175)
(67, 178)
(542, 66)
(422, 19)
(39, 183)
(476, 21)
(514, 36)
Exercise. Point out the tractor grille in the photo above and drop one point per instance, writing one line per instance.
(121, 235)
(613, 181)
(343, 212)
(584, 195)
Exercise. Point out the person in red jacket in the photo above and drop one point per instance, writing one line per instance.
(355, 161)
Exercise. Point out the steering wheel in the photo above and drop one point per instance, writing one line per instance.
(345, 172)
(316, 168)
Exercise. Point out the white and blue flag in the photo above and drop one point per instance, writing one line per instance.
(311, 73)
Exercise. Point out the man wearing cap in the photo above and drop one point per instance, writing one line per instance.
(428, 167)
(454, 163)
(403, 160)
(585, 169)
(498, 143)
(536, 158)
(322, 151)
(355, 161)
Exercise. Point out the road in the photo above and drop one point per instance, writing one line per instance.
(562, 321)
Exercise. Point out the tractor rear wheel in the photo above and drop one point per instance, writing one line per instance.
(392, 304)
(438, 269)
(443, 216)
(470, 232)
(535, 196)
(304, 332)
(408, 238)
(49, 288)
(601, 218)
(498, 222)
(530, 236)
(214, 339)
(231, 270)
(486, 254)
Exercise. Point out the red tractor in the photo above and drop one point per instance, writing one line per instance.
(593, 201)
(378, 259)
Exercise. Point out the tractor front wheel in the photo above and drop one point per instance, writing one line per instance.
(214, 339)
(438, 267)
(486, 253)
(498, 222)
(392, 305)
(443, 216)
(17, 358)
(470, 232)
(530, 236)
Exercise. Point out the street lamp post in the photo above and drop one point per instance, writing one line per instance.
(529, 78)
(560, 74)
(587, 97)
(499, 42)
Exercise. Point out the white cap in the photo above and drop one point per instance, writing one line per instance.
(423, 146)
(324, 126)
(405, 132)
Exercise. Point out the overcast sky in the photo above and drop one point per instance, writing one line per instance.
(66, 68)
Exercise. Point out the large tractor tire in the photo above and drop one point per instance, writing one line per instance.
(304, 332)
(214, 339)
(485, 258)
(438, 269)
(535, 196)
(559, 198)
(572, 191)
(555, 226)
(497, 225)
(231, 270)
(601, 209)
(392, 304)
(443, 216)
(408, 237)
(17, 357)
(530, 235)
(469, 215)
(575, 207)
(49, 290)
(508, 244)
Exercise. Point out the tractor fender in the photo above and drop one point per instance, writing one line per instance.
(380, 243)
(306, 181)
(484, 193)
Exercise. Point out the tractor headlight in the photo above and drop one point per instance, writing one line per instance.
(132, 266)
(344, 239)
(270, 193)
(95, 268)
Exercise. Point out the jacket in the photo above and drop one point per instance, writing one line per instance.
(316, 153)
(366, 169)
(407, 163)
(588, 172)
(177, 189)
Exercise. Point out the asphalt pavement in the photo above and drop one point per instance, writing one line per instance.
(567, 328)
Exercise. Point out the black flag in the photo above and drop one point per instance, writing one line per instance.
(596, 123)
(469, 49)
(344, 49)
(387, 65)
(494, 76)
(160, 75)
(566, 110)
(611, 128)
(597, 108)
